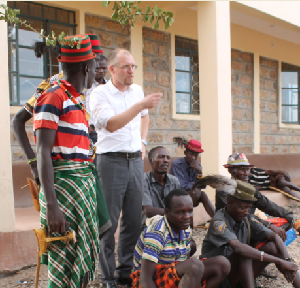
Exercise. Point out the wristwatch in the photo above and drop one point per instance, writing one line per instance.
(145, 142)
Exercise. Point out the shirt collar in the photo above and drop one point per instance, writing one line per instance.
(184, 163)
(113, 89)
(154, 180)
(171, 231)
(230, 220)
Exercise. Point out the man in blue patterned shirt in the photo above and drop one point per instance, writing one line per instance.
(161, 256)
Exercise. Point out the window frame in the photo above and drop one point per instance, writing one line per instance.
(191, 73)
(298, 89)
(46, 59)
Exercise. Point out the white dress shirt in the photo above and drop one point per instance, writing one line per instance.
(87, 98)
(107, 101)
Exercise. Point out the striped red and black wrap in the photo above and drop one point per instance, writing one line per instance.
(73, 54)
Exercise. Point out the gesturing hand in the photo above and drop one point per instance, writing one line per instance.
(152, 100)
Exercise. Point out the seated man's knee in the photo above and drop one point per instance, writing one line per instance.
(195, 266)
(223, 265)
(270, 248)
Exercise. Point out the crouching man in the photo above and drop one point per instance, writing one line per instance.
(161, 256)
(230, 232)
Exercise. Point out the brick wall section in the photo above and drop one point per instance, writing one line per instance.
(242, 101)
(273, 139)
(111, 34)
(157, 78)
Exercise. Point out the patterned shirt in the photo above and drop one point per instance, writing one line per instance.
(184, 173)
(258, 177)
(159, 243)
(44, 85)
(55, 110)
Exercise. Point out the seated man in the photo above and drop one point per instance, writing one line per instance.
(187, 169)
(230, 232)
(283, 183)
(261, 178)
(161, 256)
(158, 184)
(239, 168)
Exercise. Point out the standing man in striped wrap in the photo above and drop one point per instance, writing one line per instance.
(66, 171)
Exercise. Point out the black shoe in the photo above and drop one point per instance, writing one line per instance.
(124, 281)
(109, 285)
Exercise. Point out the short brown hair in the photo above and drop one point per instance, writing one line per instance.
(112, 58)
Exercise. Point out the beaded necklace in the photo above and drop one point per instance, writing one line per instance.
(74, 100)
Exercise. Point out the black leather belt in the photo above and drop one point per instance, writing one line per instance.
(128, 156)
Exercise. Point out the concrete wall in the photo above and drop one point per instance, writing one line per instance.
(157, 78)
(273, 138)
(242, 101)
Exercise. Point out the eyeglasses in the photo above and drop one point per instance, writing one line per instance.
(127, 67)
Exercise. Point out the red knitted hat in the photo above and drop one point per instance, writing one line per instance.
(95, 43)
(72, 54)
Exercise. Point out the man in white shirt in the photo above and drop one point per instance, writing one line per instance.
(121, 119)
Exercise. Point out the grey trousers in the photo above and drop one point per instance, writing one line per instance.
(122, 184)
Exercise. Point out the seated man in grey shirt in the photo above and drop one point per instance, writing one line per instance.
(157, 183)
(230, 232)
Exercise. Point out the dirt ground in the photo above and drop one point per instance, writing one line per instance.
(25, 278)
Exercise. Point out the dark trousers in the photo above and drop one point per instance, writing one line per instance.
(122, 184)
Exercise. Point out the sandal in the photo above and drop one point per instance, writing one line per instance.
(265, 273)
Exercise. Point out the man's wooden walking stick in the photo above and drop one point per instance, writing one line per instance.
(43, 244)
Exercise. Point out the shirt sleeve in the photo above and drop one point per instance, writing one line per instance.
(153, 245)
(219, 234)
(179, 174)
(271, 208)
(258, 231)
(100, 108)
(147, 200)
(47, 111)
(177, 183)
(145, 111)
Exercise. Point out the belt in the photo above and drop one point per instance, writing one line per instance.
(128, 156)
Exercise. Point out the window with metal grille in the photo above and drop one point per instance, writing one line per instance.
(187, 76)
(290, 80)
(25, 70)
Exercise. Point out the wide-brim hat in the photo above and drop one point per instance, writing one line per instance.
(245, 192)
(72, 54)
(95, 43)
(236, 160)
(194, 146)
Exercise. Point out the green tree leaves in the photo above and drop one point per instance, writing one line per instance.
(10, 16)
(125, 12)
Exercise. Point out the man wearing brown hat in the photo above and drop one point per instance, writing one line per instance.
(230, 232)
(239, 168)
